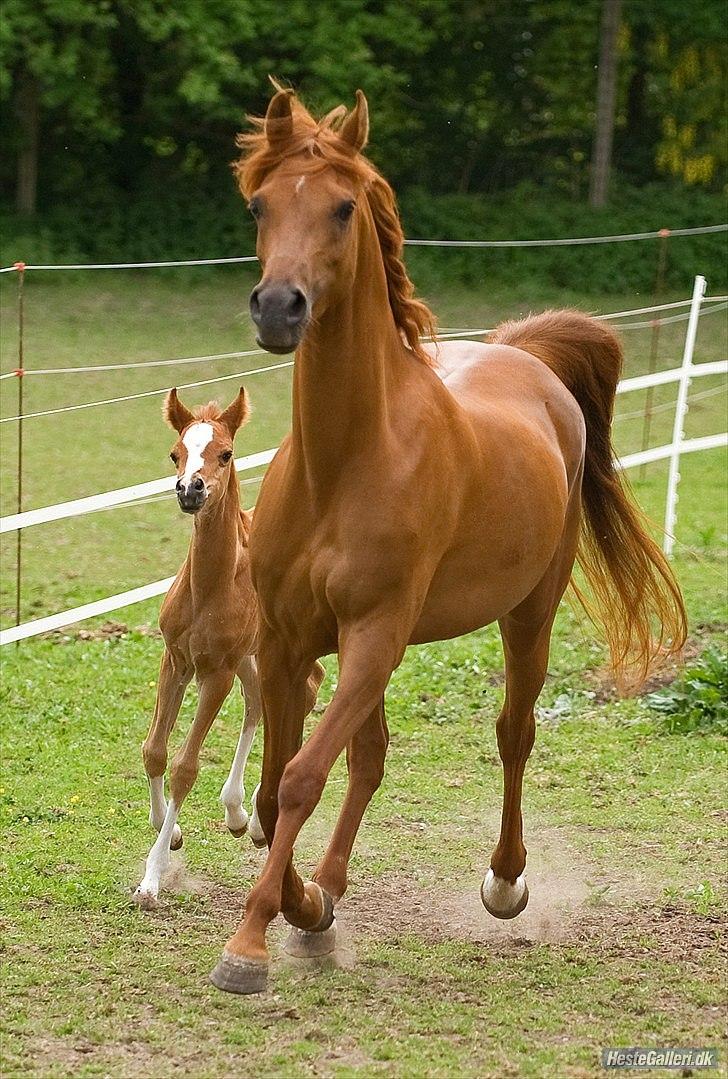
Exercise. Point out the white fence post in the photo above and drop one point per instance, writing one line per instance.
(681, 408)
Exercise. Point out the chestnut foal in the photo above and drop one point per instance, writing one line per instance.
(421, 494)
(209, 621)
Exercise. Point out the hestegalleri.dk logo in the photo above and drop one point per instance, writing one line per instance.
(619, 1057)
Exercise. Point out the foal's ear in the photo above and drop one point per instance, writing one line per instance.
(355, 128)
(175, 413)
(236, 414)
(279, 118)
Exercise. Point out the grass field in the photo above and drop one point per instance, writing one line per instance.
(625, 824)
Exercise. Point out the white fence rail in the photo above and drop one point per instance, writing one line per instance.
(679, 446)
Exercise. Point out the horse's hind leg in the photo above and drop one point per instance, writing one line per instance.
(232, 794)
(526, 633)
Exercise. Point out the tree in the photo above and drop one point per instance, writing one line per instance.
(606, 101)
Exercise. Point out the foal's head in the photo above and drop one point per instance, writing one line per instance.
(203, 453)
(313, 194)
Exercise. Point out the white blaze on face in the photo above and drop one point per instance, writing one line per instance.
(197, 436)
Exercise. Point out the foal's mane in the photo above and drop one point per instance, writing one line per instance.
(319, 141)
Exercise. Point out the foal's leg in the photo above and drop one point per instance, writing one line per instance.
(368, 656)
(214, 688)
(365, 755)
(171, 685)
(232, 794)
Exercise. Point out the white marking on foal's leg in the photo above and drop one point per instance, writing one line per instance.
(157, 861)
(158, 808)
(232, 794)
(255, 828)
(501, 898)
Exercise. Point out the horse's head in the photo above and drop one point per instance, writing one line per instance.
(304, 182)
(203, 453)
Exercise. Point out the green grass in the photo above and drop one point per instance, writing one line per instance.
(624, 822)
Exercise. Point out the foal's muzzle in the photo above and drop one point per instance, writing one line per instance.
(281, 313)
(191, 496)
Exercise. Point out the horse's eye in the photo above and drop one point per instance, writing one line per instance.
(174, 458)
(344, 212)
(225, 456)
(255, 208)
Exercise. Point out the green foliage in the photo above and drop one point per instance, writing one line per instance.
(698, 700)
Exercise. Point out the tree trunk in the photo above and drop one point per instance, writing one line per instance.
(27, 108)
(606, 97)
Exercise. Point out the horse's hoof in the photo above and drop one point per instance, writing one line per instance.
(237, 833)
(258, 841)
(237, 974)
(145, 900)
(503, 899)
(176, 841)
(305, 944)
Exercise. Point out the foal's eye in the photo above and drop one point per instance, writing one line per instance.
(174, 458)
(344, 212)
(225, 456)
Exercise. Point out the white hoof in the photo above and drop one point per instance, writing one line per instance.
(146, 898)
(236, 819)
(501, 898)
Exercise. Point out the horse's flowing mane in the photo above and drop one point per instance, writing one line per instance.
(319, 141)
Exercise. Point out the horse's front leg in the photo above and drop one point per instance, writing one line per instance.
(214, 688)
(232, 794)
(171, 685)
(365, 755)
(367, 655)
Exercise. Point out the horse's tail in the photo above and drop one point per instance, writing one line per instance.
(631, 580)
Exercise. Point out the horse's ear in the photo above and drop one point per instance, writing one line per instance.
(175, 413)
(279, 118)
(236, 414)
(355, 128)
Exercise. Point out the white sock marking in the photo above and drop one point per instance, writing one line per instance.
(501, 894)
(158, 857)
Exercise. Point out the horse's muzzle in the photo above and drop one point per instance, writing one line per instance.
(192, 497)
(281, 313)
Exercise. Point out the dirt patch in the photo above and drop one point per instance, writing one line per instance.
(107, 631)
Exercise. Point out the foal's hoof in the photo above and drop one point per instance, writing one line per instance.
(258, 841)
(177, 840)
(236, 820)
(306, 944)
(145, 900)
(236, 974)
(501, 898)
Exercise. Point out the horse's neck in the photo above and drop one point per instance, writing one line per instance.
(215, 537)
(346, 372)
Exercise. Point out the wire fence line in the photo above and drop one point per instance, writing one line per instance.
(565, 241)
(719, 303)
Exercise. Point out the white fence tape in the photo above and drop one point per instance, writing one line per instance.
(158, 588)
(78, 506)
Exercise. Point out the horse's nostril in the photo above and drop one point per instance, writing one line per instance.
(255, 305)
(297, 306)
(179, 486)
(198, 484)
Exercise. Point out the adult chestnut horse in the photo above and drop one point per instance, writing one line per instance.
(421, 494)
